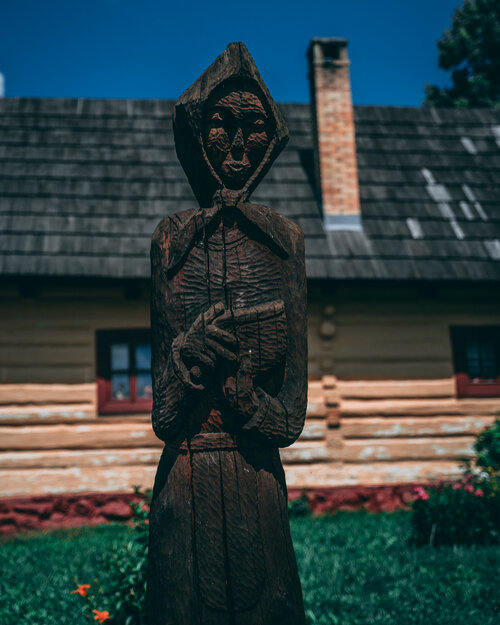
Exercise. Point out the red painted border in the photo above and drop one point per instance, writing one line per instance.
(73, 510)
(466, 388)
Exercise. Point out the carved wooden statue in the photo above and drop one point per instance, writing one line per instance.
(229, 366)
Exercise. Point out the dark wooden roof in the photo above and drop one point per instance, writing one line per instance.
(83, 184)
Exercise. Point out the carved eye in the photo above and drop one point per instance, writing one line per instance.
(259, 123)
(216, 117)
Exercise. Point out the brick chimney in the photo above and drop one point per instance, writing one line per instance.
(335, 154)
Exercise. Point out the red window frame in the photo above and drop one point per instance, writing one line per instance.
(467, 386)
(105, 402)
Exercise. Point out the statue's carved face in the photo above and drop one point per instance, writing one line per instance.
(236, 134)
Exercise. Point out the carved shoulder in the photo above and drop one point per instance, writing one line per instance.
(293, 232)
(169, 226)
(283, 231)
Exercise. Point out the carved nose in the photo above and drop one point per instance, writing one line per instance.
(238, 143)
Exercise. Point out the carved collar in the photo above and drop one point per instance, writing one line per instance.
(265, 219)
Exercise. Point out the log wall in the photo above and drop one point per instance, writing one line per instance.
(382, 404)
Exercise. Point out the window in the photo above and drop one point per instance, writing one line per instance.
(476, 353)
(124, 371)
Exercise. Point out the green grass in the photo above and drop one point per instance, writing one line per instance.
(355, 569)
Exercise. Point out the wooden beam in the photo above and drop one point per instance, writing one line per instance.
(314, 429)
(15, 460)
(385, 389)
(39, 418)
(392, 427)
(305, 452)
(443, 448)
(71, 413)
(104, 433)
(419, 407)
(87, 436)
(316, 409)
(336, 474)
(41, 481)
(28, 482)
(19, 394)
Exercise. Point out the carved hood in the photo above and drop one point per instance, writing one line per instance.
(234, 67)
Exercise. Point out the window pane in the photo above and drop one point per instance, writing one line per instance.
(143, 386)
(143, 356)
(119, 356)
(120, 386)
(481, 363)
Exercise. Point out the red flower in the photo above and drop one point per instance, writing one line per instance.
(82, 590)
(479, 493)
(420, 493)
(101, 616)
(457, 486)
(469, 488)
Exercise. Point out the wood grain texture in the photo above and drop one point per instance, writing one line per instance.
(443, 448)
(87, 436)
(19, 394)
(395, 427)
(122, 478)
(419, 407)
(79, 458)
(62, 351)
(338, 474)
(385, 389)
(48, 413)
(51, 481)
(229, 364)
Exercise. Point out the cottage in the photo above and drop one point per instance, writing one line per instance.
(400, 208)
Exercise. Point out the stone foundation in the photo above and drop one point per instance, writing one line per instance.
(55, 511)
(350, 498)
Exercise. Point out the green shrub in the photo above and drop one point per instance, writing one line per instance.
(121, 599)
(468, 511)
(462, 513)
(299, 507)
(487, 446)
(126, 590)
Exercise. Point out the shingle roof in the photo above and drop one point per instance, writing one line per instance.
(83, 184)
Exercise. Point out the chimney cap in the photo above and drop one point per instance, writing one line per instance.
(327, 49)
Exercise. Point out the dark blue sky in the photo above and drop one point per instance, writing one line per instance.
(157, 48)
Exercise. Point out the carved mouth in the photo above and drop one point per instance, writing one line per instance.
(236, 166)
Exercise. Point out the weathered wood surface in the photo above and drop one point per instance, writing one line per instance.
(384, 389)
(52, 481)
(88, 436)
(69, 415)
(305, 453)
(444, 448)
(415, 407)
(396, 427)
(48, 413)
(229, 364)
(358, 474)
(51, 459)
(62, 351)
(102, 434)
(19, 394)
(122, 478)
(379, 330)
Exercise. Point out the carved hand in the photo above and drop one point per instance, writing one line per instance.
(239, 391)
(205, 343)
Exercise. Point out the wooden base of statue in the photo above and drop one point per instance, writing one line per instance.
(228, 315)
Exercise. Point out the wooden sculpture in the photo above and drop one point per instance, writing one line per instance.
(228, 316)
